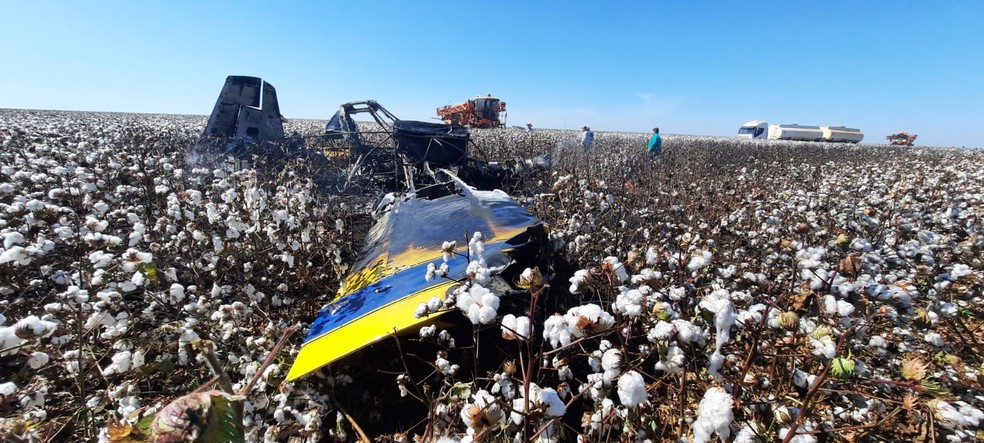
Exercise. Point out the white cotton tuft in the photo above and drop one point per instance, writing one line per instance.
(714, 416)
(724, 319)
(16, 255)
(32, 326)
(7, 388)
(934, 339)
(616, 267)
(611, 363)
(177, 293)
(699, 260)
(556, 331)
(579, 281)
(631, 389)
(688, 332)
(12, 238)
(555, 406)
(121, 363)
(587, 319)
(37, 360)
(428, 331)
(674, 359)
(629, 302)
(137, 359)
(515, 328)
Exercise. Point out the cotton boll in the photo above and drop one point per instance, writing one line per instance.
(972, 416)
(688, 332)
(579, 281)
(673, 361)
(12, 238)
(629, 302)
(121, 362)
(554, 406)
(934, 339)
(611, 363)
(699, 260)
(33, 399)
(524, 328)
(661, 331)
(631, 389)
(652, 256)
(515, 328)
(16, 255)
(137, 359)
(677, 293)
(33, 327)
(37, 360)
(646, 276)
(9, 341)
(421, 311)
(504, 385)
(714, 416)
(138, 278)
(7, 388)
(803, 379)
(176, 293)
(946, 414)
(556, 331)
(444, 366)
(824, 346)
(834, 306)
(616, 268)
(798, 438)
(508, 326)
(589, 318)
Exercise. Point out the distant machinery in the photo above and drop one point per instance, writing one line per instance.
(901, 138)
(480, 112)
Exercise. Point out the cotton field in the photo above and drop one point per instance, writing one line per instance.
(730, 290)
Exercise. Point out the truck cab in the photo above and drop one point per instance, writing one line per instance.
(754, 129)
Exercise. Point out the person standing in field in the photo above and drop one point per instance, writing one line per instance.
(587, 137)
(655, 144)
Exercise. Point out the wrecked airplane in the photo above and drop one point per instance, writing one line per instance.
(430, 197)
(382, 291)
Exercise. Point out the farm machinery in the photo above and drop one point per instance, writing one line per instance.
(480, 112)
(901, 138)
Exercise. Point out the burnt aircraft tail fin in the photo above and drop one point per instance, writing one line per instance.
(247, 108)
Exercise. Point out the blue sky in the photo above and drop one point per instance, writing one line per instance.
(688, 67)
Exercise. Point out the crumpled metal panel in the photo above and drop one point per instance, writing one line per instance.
(247, 108)
(384, 288)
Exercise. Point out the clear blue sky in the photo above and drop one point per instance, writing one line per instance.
(688, 67)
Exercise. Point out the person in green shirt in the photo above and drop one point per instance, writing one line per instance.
(655, 144)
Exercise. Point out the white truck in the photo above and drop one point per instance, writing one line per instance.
(762, 129)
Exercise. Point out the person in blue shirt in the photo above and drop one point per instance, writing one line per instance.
(587, 137)
(655, 144)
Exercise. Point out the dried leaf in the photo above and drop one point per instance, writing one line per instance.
(913, 367)
(118, 432)
(850, 264)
